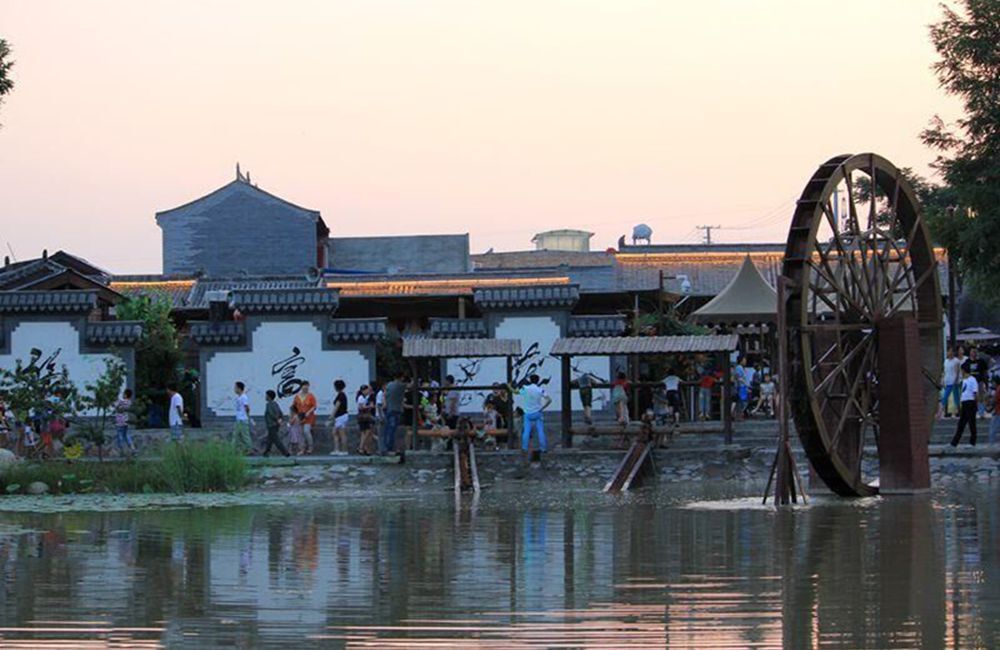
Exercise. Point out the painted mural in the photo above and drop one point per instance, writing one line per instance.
(51, 345)
(284, 355)
(537, 334)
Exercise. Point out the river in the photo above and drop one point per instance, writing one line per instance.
(704, 568)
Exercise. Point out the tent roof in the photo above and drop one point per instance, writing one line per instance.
(747, 298)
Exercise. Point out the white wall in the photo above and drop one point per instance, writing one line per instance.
(537, 334)
(59, 343)
(273, 364)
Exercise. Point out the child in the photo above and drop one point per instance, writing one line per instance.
(619, 396)
(123, 440)
(486, 432)
(296, 439)
(661, 405)
(765, 402)
(366, 421)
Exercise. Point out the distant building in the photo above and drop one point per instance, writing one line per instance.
(563, 240)
(240, 229)
(399, 254)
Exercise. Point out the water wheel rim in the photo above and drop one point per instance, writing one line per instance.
(834, 309)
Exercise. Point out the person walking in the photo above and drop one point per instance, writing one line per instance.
(340, 418)
(672, 384)
(452, 400)
(619, 397)
(273, 419)
(305, 407)
(534, 400)
(366, 420)
(123, 440)
(175, 415)
(395, 391)
(585, 383)
(995, 420)
(241, 427)
(951, 377)
(968, 411)
(977, 368)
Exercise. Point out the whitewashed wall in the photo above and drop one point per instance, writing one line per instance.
(59, 344)
(537, 334)
(283, 355)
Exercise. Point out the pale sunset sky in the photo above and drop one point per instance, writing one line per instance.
(499, 118)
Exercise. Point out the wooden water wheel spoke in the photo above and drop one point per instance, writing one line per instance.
(845, 285)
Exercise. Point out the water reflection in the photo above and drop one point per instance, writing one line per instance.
(901, 572)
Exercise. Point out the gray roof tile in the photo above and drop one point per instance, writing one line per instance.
(114, 332)
(457, 328)
(343, 330)
(41, 302)
(456, 348)
(285, 301)
(540, 296)
(218, 332)
(644, 345)
(611, 325)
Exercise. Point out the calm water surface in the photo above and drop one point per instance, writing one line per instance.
(513, 570)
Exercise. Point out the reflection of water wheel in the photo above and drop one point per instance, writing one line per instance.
(852, 267)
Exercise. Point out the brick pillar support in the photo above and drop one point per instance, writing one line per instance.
(905, 425)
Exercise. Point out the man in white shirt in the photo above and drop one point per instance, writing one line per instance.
(968, 412)
(175, 414)
(951, 377)
(241, 428)
(534, 401)
(673, 385)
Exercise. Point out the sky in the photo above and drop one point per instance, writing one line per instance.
(500, 119)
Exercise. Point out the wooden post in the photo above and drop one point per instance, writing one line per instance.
(724, 401)
(633, 362)
(511, 435)
(415, 400)
(567, 403)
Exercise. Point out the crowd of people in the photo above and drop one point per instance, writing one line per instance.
(970, 389)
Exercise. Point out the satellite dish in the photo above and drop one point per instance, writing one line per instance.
(642, 232)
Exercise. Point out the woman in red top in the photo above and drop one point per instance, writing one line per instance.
(620, 388)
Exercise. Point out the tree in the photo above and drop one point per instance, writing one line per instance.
(6, 83)
(29, 390)
(158, 354)
(969, 149)
(102, 395)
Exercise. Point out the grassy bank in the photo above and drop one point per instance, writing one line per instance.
(199, 467)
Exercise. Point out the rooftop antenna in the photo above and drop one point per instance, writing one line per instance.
(708, 232)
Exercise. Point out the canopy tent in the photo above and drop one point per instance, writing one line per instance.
(748, 298)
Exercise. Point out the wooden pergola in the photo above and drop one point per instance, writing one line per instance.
(414, 349)
(638, 346)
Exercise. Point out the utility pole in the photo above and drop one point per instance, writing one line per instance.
(708, 232)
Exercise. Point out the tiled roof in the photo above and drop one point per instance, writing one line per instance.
(565, 295)
(343, 330)
(612, 325)
(19, 302)
(176, 291)
(456, 348)
(197, 299)
(644, 345)
(404, 285)
(285, 301)
(218, 332)
(457, 328)
(114, 332)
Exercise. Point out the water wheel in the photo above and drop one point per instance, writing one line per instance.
(858, 256)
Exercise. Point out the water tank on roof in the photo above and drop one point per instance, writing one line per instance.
(642, 232)
(563, 240)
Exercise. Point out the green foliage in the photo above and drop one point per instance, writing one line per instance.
(6, 83)
(209, 467)
(158, 354)
(969, 149)
(102, 397)
(34, 386)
